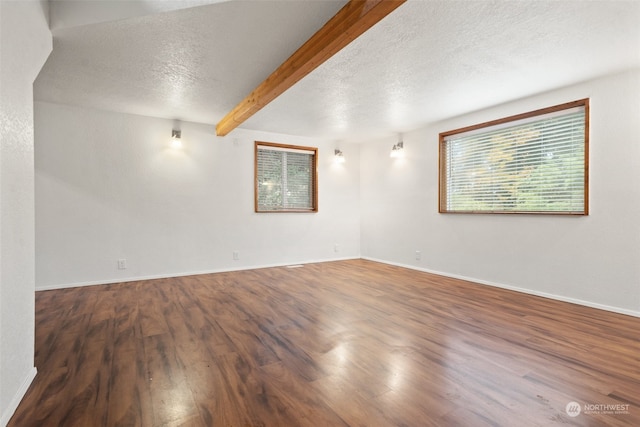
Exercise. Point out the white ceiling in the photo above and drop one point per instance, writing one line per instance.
(427, 61)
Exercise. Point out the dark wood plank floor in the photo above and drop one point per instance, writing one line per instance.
(352, 343)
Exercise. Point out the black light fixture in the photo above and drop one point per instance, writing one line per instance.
(176, 141)
(398, 149)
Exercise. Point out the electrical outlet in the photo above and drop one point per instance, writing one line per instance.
(418, 255)
(236, 255)
(122, 264)
(336, 248)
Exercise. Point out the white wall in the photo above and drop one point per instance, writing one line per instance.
(108, 186)
(25, 42)
(594, 260)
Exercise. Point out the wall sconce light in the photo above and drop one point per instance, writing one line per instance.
(397, 150)
(338, 156)
(176, 141)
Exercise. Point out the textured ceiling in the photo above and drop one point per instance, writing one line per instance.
(427, 61)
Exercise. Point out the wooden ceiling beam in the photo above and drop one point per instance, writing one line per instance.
(349, 23)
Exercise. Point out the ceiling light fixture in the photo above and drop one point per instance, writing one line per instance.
(338, 156)
(397, 150)
(176, 141)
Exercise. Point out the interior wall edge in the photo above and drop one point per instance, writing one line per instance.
(17, 398)
(556, 297)
(185, 274)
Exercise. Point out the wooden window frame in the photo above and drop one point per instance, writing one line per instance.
(442, 186)
(314, 176)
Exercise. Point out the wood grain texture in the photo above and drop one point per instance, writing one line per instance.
(348, 24)
(349, 343)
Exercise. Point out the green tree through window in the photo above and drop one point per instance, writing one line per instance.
(531, 163)
(285, 178)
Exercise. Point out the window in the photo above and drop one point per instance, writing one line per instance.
(535, 162)
(286, 178)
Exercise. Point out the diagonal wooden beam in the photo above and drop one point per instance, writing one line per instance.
(351, 21)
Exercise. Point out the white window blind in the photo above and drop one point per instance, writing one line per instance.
(285, 178)
(536, 164)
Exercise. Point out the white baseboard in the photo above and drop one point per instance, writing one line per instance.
(182, 274)
(412, 267)
(515, 288)
(13, 405)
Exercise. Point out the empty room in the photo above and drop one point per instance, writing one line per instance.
(319, 213)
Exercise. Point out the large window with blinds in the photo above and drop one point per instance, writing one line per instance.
(534, 163)
(285, 178)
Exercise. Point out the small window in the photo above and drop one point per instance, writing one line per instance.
(535, 163)
(286, 179)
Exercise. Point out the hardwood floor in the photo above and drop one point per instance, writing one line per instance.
(352, 343)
